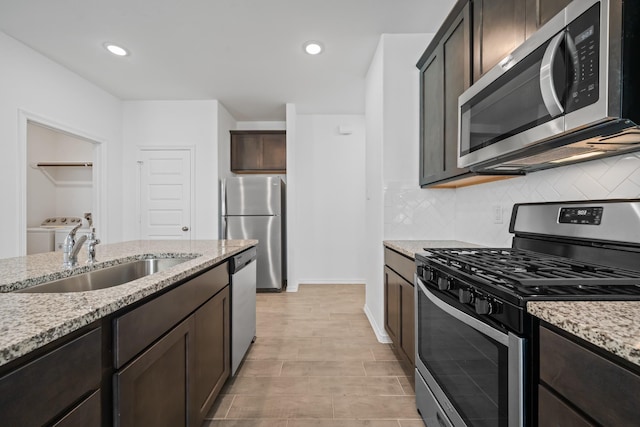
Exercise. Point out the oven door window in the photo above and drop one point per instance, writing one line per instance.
(469, 367)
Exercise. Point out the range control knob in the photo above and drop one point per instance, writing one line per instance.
(484, 306)
(465, 296)
(420, 271)
(429, 274)
(444, 283)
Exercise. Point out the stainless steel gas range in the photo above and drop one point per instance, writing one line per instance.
(474, 338)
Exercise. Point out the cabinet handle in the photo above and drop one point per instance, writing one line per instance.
(185, 228)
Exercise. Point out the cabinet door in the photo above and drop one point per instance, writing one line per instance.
(432, 119)
(498, 28)
(274, 152)
(539, 12)
(152, 390)
(246, 152)
(456, 48)
(408, 321)
(392, 297)
(212, 351)
(444, 76)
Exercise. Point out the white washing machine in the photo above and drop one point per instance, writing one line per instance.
(40, 240)
(51, 234)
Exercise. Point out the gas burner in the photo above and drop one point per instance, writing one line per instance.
(527, 273)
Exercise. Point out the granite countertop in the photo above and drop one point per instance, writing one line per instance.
(410, 247)
(31, 320)
(611, 325)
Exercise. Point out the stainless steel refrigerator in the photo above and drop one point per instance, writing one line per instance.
(254, 207)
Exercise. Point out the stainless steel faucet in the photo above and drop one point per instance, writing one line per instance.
(71, 247)
(92, 241)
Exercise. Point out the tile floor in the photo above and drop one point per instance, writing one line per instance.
(316, 363)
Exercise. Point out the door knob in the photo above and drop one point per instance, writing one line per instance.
(185, 228)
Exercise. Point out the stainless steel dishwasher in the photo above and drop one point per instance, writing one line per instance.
(243, 305)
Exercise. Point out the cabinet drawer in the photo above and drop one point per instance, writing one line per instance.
(402, 265)
(43, 389)
(137, 329)
(87, 413)
(553, 412)
(600, 388)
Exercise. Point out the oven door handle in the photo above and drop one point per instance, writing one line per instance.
(476, 324)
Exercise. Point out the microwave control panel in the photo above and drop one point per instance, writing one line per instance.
(583, 57)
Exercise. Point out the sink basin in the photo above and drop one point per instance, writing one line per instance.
(107, 277)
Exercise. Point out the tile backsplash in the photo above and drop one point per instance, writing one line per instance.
(469, 213)
(413, 213)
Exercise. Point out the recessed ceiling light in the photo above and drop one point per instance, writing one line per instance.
(115, 49)
(313, 47)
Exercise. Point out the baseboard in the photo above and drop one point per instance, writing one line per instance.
(291, 287)
(381, 335)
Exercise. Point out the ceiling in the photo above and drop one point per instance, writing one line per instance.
(245, 53)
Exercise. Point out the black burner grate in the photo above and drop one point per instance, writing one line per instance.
(532, 273)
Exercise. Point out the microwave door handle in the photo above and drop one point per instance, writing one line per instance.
(547, 84)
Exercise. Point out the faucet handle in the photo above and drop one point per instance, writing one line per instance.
(92, 241)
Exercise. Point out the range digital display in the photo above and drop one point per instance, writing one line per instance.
(582, 215)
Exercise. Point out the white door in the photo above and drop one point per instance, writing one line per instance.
(165, 194)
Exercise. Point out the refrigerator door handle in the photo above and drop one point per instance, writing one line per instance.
(223, 197)
(223, 226)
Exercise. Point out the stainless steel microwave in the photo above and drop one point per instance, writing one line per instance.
(569, 93)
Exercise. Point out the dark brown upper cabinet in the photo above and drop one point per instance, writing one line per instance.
(539, 12)
(498, 28)
(259, 152)
(444, 75)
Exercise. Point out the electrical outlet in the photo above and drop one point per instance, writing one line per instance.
(497, 214)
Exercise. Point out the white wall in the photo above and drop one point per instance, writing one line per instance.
(226, 123)
(175, 124)
(261, 126)
(34, 86)
(292, 199)
(395, 205)
(374, 204)
(329, 210)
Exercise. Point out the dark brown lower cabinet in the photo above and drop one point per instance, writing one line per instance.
(170, 376)
(212, 351)
(392, 304)
(152, 390)
(161, 363)
(407, 341)
(579, 384)
(55, 386)
(399, 318)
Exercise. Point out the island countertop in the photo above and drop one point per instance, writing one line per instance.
(31, 320)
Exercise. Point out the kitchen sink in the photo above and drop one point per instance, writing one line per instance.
(107, 277)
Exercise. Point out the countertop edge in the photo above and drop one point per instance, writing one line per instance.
(409, 248)
(609, 325)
